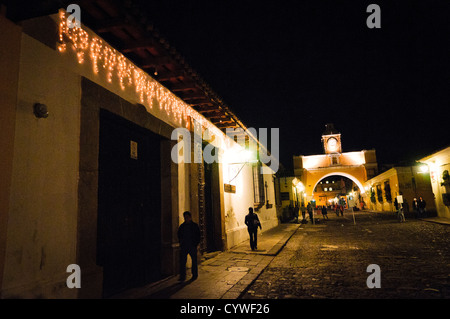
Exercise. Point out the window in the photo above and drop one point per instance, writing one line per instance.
(387, 191)
(258, 184)
(284, 196)
(334, 160)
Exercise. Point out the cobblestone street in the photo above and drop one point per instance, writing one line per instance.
(330, 260)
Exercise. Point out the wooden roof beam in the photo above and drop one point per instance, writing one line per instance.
(110, 24)
(193, 96)
(134, 45)
(202, 101)
(154, 62)
(164, 76)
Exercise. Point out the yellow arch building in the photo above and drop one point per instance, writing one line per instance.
(310, 170)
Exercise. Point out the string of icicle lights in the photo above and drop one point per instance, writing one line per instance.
(116, 65)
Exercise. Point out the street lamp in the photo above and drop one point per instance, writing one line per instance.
(423, 168)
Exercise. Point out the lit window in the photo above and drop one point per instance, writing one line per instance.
(331, 189)
(325, 189)
(327, 182)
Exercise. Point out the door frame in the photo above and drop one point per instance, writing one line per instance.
(93, 98)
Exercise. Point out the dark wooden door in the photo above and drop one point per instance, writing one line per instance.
(129, 204)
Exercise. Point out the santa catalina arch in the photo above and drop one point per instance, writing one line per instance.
(358, 166)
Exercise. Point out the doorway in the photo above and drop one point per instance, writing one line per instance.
(129, 204)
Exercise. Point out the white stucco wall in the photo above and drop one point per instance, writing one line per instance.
(42, 226)
(237, 204)
(41, 239)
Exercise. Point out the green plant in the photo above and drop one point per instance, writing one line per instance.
(379, 194)
(372, 196)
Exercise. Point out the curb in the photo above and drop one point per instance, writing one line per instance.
(273, 252)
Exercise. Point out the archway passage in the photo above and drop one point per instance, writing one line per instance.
(343, 174)
(336, 189)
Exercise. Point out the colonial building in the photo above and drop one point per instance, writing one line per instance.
(91, 169)
(311, 170)
(438, 167)
(409, 181)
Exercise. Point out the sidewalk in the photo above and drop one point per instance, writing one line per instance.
(439, 220)
(225, 276)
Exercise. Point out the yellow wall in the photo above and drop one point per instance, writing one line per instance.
(310, 178)
(400, 180)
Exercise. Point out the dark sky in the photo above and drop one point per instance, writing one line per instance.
(298, 65)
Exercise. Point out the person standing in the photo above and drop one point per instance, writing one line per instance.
(252, 222)
(303, 208)
(415, 206)
(189, 238)
(310, 212)
(324, 212)
(421, 204)
(296, 209)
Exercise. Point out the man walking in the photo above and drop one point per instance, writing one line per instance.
(252, 222)
(189, 238)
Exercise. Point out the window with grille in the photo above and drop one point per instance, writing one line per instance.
(258, 184)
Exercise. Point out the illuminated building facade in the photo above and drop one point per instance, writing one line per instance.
(312, 170)
(88, 175)
(438, 168)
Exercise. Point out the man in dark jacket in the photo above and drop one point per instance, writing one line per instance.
(252, 222)
(189, 238)
(421, 204)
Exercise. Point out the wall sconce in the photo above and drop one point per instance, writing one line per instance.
(40, 110)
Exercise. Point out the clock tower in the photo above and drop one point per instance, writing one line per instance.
(331, 140)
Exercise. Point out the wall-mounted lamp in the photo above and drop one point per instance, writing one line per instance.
(40, 110)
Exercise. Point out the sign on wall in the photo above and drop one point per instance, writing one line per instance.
(229, 188)
(133, 150)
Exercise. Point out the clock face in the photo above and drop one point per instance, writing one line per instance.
(332, 144)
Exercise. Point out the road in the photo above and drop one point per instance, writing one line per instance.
(330, 260)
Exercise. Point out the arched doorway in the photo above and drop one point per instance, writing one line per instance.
(351, 177)
(338, 188)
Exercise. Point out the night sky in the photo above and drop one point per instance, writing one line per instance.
(298, 65)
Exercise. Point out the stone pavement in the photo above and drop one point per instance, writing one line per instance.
(224, 276)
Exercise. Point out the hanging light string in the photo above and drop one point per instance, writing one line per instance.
(116, 65)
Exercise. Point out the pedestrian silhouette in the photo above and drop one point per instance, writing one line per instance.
(324, 212)
(303, 209)
(341, 209)
(421, 205)
(189, 238)
(309, 208)
(415, 205)
(252, 222)
(296, 210)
